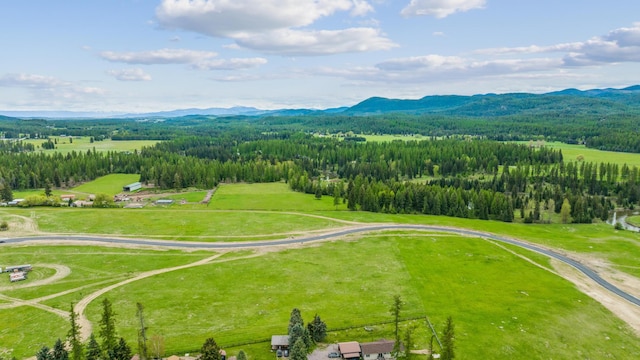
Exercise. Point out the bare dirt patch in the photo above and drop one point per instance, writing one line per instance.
(623, 309)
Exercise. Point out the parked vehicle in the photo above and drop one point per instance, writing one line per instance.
(279, 353)
(334, 355)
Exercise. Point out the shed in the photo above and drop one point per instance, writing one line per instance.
(164, 202)
(377, 350)
(17, 276)
(132, 187)
(349, 350)
(279, 342)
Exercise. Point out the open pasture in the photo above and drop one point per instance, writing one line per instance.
(109, 184)
(175, 224)
(25, 328)
(268, 196)
(503, 307)
(83, 144)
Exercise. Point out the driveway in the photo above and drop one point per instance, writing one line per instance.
(322, 352)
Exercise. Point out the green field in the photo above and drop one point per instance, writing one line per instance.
(571, 152)
(634, 220)
(109, 184)
(502, 306)
(82, 144)
(269, 196)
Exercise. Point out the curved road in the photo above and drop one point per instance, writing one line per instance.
(360, 229)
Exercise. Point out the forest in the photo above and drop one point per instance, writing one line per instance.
(461, 176)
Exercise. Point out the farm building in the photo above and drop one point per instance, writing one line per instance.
(21, 268)
(349, 350)
(279, 342)
(66, 197)
(378, 350)
(132, 187)
(173, 357)
(164, 202)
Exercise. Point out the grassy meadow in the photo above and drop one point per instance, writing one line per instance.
(83, 144)
(502, 306)
(109, 184)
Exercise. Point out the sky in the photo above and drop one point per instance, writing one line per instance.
(157, 55)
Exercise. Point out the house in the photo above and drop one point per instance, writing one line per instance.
(349, 350)
(132, 187)
(279, 342)
(66, 197)
(378, 350)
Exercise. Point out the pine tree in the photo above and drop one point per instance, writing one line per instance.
(44, 354)
(210, 350)
(59, 352)
(142, 333)
(107, 324)
(408, 343)
(77, 351)
(395, 311)
(93, 349)
(122, 351)
(448, 338)
(241, 355)
(295, 318)
(317, 329)
(298, 350)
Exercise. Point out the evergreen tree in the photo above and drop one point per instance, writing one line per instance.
(93, 349)
(565, 211)
(44, 354)
(448, 338)
(73, 336)
(6, 194)
(298, 350)
(59, 352)
(295, 318)
(142, 333)
(317, 329)
(210, 350)
(395, 311)
(408, 343)
(107, 325)
(122, 351)
(241, 355)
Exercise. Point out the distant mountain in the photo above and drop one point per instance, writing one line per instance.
(569, 101)
(565, 102)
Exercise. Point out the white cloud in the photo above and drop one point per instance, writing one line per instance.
(201, 60)
(225, 18)
(274, 26)
(322, 42)
(230, 64)
(162, 56)
(440, 8)
(619, 45)
(47, 87)
(130, 75)
(438, 33)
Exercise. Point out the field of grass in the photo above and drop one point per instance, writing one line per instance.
(634, 220)
(502, 306)
(91, 268)
(109, 184)
(82, 144)
(570, 152)
(169, 223)
(269, 196)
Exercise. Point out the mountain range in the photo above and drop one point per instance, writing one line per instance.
(568, 102)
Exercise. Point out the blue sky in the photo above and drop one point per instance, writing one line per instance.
(152, 55)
